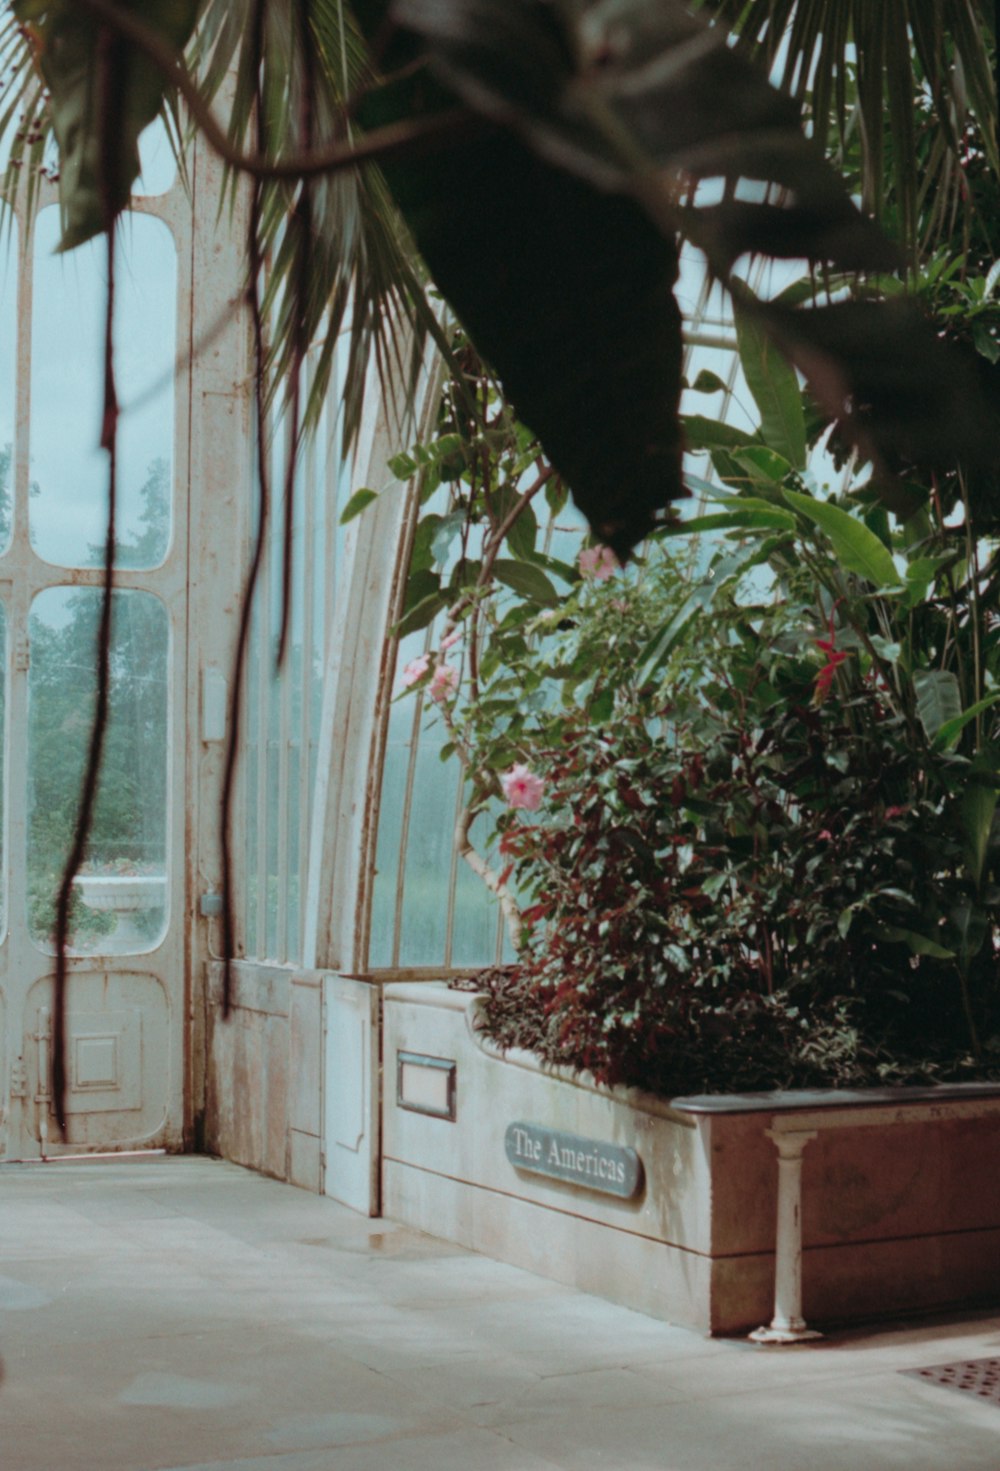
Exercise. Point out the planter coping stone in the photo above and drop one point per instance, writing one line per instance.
(802, 1100)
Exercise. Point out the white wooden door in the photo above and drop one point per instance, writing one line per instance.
(126, 992)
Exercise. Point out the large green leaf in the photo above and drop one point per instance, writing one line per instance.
(977, 809)
(103, 93)
(704, 433)
(775, 389)
(939, 699)
(526, 579)
(858, 549)
(949, 732)
(918, 944)
(762, 518)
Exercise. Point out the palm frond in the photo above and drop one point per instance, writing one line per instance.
(914, 72)
(25, 121)
(365, 279)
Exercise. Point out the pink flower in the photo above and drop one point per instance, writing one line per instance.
(451, 640)
(522, 788)
(444, 682)
(415, 670)
(598, 562)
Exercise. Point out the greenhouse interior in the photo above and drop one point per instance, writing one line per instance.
(500, 690)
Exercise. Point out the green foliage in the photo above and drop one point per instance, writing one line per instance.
(767, 851)
(902, 95)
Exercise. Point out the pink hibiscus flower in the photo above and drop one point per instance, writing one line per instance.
(522, 787)
(444, 682)
(415, 670)
(598, 562)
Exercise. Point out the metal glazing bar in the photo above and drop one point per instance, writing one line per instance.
(449, 931)
(404, 829)
(309, 559)
(284, 690)
(260, 715)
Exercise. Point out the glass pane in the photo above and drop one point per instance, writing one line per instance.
(121, 904)
(284, 712)
(392, 807)
(8, 350)
(3, 769)
(428, 857)
(68, 503)
(157, 161)
(474, 933)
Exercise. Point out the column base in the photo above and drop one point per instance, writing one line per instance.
(784, 1335)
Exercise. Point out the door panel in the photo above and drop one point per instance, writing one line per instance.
(120, 1033)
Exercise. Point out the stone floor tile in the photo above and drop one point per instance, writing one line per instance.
(186, 1315)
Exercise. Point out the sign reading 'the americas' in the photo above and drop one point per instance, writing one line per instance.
(612, 1169)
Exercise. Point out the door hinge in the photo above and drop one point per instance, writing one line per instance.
(22, 655)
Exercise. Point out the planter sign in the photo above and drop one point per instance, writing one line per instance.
(611, 1169)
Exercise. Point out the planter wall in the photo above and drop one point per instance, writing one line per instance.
(900, 1190)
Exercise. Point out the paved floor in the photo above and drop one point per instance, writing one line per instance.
(182, 1313)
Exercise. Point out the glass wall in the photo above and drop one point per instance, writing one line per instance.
(283, 710)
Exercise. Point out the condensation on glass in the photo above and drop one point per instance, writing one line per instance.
(68, 504)
(120, 903)
(283, 711)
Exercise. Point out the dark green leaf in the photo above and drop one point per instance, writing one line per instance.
(527, 580)
(356, 504)
(939, 699)
(770, 518)
(949, 732)
(708, 382)
(918, 944)
(97, 127)
(522, 535)
(403, 466)
(601, 706)
(421, 615)
(775, 389)
(420, 584)
(450, 526)
(423, 540)
(764, 465)
(977, 809)
(702, 433)
(858, 549)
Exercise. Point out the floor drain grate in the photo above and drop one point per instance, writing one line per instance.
(980, 1377)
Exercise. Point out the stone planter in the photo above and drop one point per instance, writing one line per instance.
(674, 1208)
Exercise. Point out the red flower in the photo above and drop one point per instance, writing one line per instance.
(834, 658)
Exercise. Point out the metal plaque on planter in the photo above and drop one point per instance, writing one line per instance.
(611, 1169)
